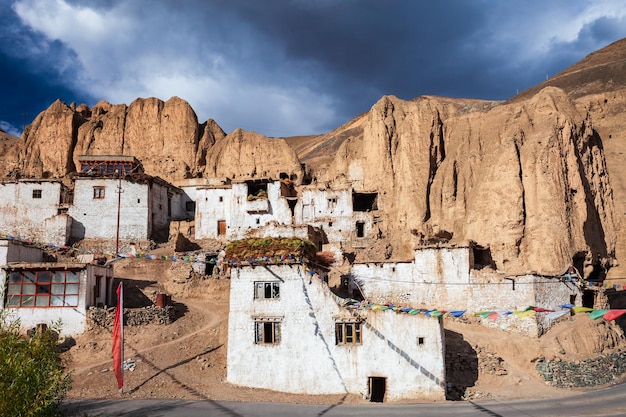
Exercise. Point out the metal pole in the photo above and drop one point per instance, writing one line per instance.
(119, 206)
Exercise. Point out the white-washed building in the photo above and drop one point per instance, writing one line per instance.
(456, 278)
(35, 210)
(37, 292)
(343, 214)
(286, 332)
(236, 210)
(142, 205)
(259, 208)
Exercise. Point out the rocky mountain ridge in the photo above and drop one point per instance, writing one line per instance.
(528, 177)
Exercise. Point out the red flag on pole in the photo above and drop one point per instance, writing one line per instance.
(118, 339)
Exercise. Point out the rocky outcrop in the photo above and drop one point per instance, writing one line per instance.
(528, 179)
(242, 155)
(48, 143)
(164, 136)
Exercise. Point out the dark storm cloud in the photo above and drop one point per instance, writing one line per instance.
(291, 66)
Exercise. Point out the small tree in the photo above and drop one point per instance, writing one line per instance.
(32, 380)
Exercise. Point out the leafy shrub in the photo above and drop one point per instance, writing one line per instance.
(32, 380)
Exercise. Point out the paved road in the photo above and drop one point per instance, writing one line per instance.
(605, 402)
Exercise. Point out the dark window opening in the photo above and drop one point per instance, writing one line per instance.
(482, 257)
(347, 333)
(267, 332)
(364, 201)
(589, 298)
(36, 193)
(98, 192)
(292, 205)
(360, 229)
(258, 221)
(287, 187)
(578, 260)
(221, 199)
(190, 206)
(257, 190)
(420, 341)
(266, 290)
(377, 386)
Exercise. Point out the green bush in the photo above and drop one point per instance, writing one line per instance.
(32, 380)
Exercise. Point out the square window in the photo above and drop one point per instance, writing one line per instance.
(267, 332)
(98, 192)
(348, 333)
(266, 290)
(36, 193)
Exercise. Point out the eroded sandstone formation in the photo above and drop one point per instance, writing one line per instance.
(165, 136)
(527, 179)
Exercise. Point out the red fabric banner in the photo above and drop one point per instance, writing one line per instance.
(118, 338)
(613, 314)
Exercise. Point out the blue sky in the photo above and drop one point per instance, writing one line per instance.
(288, 67)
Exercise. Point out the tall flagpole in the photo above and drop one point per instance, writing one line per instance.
(118, 339)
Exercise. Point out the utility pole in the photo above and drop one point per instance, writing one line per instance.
(119, 208)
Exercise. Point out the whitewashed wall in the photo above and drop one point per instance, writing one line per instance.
(242, 217)
(329, 210)
(164, 204)
(73, 319)
(441, 278)
(336, 218)
(25, 216)
(57, 229)
(213, 205)
(389, 342)
(97, 218)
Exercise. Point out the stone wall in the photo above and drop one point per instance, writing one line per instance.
(592, 372)
(103, 317)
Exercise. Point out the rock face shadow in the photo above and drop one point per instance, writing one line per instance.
(461, 365)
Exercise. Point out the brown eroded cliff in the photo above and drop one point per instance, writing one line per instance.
(527, 179)
(164, 136)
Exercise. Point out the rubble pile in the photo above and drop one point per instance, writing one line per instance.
(103, 317)
(490, 363)
(591, 372)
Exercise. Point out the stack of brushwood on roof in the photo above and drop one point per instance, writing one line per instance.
(270, 249)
